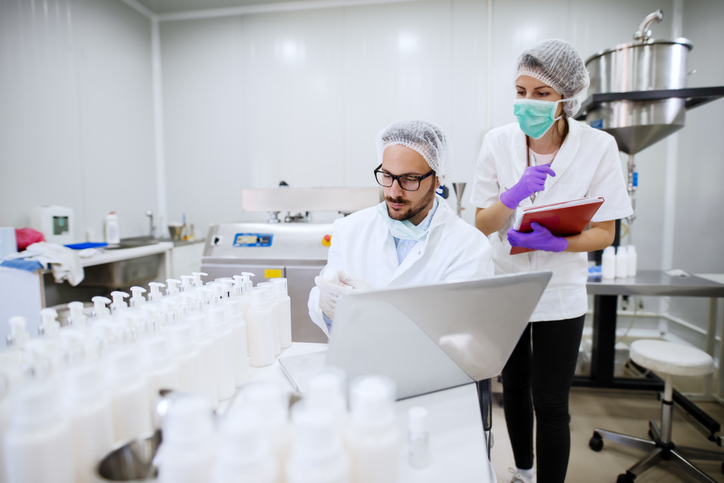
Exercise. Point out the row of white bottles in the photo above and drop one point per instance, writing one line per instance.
(256, 443)
(620, 262)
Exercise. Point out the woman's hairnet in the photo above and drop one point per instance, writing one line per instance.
(559, 65)
(424, 137)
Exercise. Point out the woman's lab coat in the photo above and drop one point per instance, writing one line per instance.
(587, 165)
(362, 246)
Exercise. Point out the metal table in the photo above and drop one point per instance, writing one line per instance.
(646, 283)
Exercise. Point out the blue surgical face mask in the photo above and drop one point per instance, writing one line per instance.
(404, 230)
(535, 118)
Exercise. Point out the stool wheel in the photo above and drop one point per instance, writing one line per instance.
(625, 478)
(596, 442)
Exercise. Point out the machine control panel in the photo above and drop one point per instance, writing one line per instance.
(253, 239)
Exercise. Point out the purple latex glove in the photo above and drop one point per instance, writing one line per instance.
(539, 239)
(533, 179)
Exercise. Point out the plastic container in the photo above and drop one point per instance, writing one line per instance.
(188, 359)
(284, 304)
(137, 299)
(317, 455)
(244, 454)
(118, 303)
(608, 264)
(19, 335)
(275, 319)
(632, 261)
(260, 328)
(37, 445)
(112, 231)
(621, 262)
(128, 391)
(234, 315)
(159, 365)
(418, 444)
(205, 343)
(326, 392)
(188, 444)
(89, 410)
(224, 349)
(373, 438)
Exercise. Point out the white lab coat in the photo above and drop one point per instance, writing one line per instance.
(587, 165)
(362, 246)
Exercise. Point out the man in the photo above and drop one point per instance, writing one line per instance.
(412, 238)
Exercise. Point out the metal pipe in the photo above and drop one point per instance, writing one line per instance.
(643, 33)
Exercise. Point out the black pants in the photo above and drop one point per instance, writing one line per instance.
(542, 364)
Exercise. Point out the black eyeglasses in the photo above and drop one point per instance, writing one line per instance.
(407, 182)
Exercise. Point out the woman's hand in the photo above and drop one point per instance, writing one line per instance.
(539, 239)
(533, 180)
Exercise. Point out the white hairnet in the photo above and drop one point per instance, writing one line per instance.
(559, 65)
(423, 137)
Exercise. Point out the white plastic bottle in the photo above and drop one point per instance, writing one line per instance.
(275, 316)
(112, 231)
(326, 393)
(205, 343)
(418, 445)
(234, 314)
(137, 299)
(373, 438)
(89, 409)
(285, 304)
(621, 262)
(188, 359)
(224, 349)
(608, 264)
(11, 369)
(128, 391)
(158, 364)
(37, 445)
(77, 318)
(632, 261)
(260, 328)
(187, 451)
(244, 455)
(317, 455)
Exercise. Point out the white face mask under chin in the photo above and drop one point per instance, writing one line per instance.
(404, 230)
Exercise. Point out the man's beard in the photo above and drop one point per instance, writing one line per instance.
(411, 211)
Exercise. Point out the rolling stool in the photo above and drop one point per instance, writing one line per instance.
(669, 360)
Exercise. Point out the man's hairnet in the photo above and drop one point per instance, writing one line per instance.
(559, 65)
(424, 137)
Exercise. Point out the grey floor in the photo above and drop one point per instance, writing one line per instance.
(623, 411)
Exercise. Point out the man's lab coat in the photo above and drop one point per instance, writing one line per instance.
(362, 246)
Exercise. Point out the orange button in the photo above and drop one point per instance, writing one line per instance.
(327, 240)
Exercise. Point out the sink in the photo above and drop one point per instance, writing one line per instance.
(134, 242)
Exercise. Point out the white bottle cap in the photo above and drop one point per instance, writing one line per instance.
(268, 399)
(217, 289)
(280, 287)
(372, 401)
(19, 335)
(316, 434)
(632, 249)
(188, 422)
(155, 295)
(326, 390)
(77, 317)
(248, 284)
(173, 286)
(99, 306)
(49, 325)
(417, 419)
(238, 285)
(187, 282)
(34, 404)
(137, 298)
(156, 351)
(234, 310)
(621, 250)
(611, 250)
(259, 297)
(118, 302)
(217, 317)
(197, 278)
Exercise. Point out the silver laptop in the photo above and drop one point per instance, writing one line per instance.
(427, 338)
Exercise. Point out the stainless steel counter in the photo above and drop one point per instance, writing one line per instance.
(656, 283)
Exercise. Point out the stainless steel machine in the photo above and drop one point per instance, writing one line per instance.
(638, 93)
(287, 246)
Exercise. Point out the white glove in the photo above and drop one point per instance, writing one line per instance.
(355, 282)
(329, 295)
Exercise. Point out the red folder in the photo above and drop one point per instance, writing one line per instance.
(562, 219)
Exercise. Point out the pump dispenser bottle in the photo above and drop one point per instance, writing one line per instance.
(18, 333)
(188, 359)
(89, 410)
(37, 445)
(244, 455)
(155, 295)
(100, 306)
(188, 443)
(159, 366)
(373, 438)
(234, 315)
(173, 287)
(128, 391)
(224, 349)
(260, 329)
(137, 298)
(276, 315)
(284, 307)
(205, 343)
(49, 325)
(118, 302)
(197, 278)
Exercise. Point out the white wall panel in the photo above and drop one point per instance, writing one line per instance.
(76, 127)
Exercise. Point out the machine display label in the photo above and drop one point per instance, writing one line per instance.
(253, 239)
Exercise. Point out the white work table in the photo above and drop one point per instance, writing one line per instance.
(110, 256)
(457, 441)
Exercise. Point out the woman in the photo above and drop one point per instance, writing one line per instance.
(546, 157)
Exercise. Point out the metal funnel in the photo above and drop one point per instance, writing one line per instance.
(459, 188)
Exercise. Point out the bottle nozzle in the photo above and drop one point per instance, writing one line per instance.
(49, 325)
(155, 294)
(18, 333)
(99, 306)
(238, 285)
(137, 299)
(173, 286)
(118, 302)
(77, 317)
(197, 278)
(187, 282)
